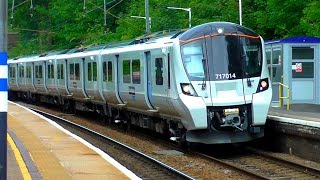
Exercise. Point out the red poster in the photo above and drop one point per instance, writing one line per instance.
(298, 67)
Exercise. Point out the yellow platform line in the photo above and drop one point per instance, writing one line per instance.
(23, 168)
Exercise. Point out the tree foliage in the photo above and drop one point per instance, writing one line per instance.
(61, 24)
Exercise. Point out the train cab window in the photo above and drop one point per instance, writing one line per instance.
(77, 71)
(28, 72)
(60, 71)
(126, 71)
(110, 71)
(159, 71)
(21, 71)
(136, 71)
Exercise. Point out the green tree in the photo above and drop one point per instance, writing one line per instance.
(311, 19)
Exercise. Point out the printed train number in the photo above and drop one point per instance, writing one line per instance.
(226, 76)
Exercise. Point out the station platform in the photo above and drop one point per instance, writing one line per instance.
(300, 114)
(38, 148)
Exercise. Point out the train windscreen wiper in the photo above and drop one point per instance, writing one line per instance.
(204, 83)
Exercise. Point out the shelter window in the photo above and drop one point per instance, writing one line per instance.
(136, 71)
(305, 71)
(126, 71)
(268, 56)
(302, 53)
(276, 56)
(159, 71)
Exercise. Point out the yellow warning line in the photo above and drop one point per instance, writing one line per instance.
(23, 168)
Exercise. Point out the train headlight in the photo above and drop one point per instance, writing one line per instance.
(187, 89)
(263, 85)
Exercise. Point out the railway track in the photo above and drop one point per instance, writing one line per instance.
(254, 163)
(141, 164)
(263, 165)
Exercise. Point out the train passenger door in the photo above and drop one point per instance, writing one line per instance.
(148, 77)
(117, 79)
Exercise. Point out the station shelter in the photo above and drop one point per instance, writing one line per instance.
(294, 62)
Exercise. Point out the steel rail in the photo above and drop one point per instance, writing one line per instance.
(303, 168)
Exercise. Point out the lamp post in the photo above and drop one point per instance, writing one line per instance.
(3, 88)
(142, 17)
(183, 9)
(240, 12)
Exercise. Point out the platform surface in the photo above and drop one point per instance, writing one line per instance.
(56, 153)
(13, 170)
(304, 114)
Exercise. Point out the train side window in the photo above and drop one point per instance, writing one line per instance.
(159, 71)
(60, 71)
(21, 71)
(136, 71)
(126, 71)
(49, 71)
(37, 71)
(71, 70)
(28, 71)
(110, 71)
(52, 71)
(77, 71)
(94, 71)
(89, 71)
(40, 71)
(12, 72)
(104, 68)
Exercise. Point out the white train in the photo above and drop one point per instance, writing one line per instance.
(209, 84)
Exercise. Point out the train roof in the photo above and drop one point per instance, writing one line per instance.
(297, 39)
(157, 37)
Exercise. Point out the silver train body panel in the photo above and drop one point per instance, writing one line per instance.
(191, 78)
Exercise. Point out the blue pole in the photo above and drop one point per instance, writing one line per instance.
(3, 89)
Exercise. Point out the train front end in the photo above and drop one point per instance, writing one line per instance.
(228, 93)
